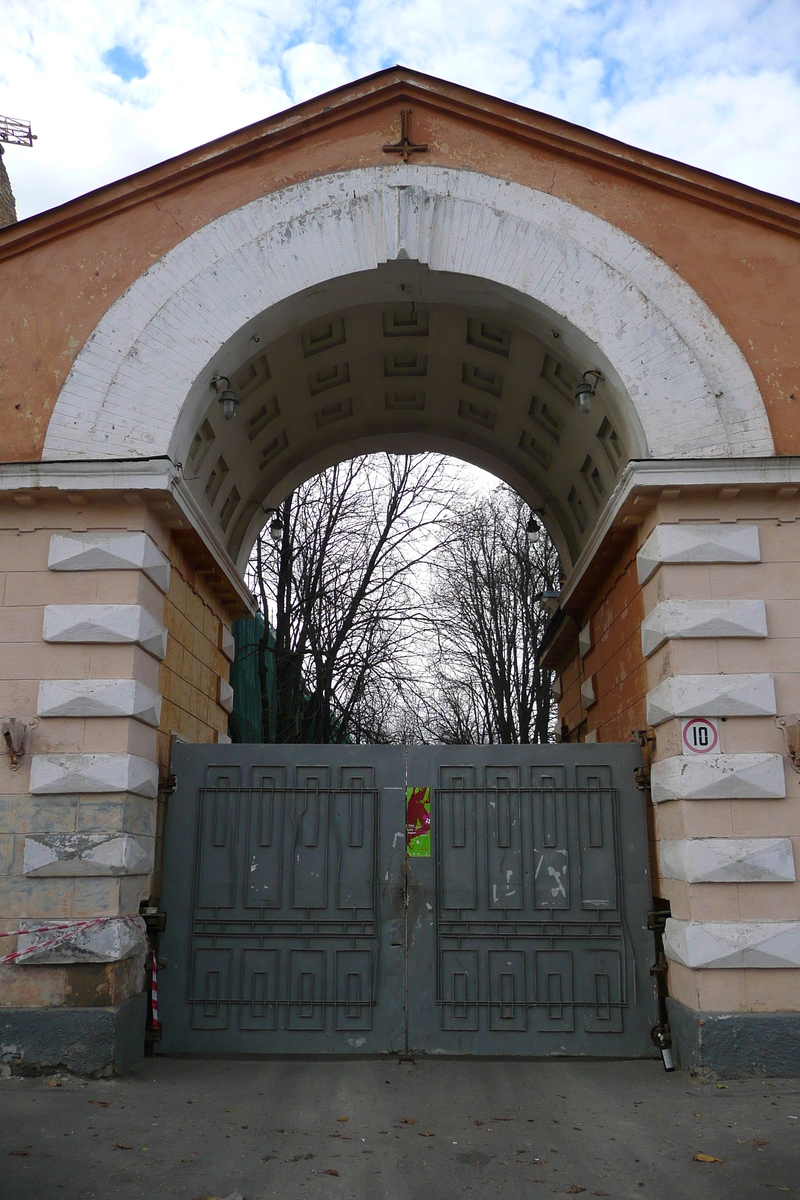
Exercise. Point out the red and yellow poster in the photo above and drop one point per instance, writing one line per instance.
(418, 822)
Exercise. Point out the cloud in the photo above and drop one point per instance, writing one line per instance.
(113, 89)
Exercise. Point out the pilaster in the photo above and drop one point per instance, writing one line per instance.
(108, 626)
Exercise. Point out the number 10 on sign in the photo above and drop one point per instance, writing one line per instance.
(700, 736)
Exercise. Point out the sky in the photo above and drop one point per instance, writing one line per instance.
(112, 88)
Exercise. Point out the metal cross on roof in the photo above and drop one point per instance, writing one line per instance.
(16, 133)
(405, 146)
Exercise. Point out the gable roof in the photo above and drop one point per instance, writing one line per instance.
(388, 87)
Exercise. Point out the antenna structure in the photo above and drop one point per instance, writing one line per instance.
(16, 133)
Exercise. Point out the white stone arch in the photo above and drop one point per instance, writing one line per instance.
(689, 388)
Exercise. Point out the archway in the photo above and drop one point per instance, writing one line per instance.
(517, 293)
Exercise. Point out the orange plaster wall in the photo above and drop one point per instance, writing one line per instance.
(61, 271)
(615, 659)
(188, 677)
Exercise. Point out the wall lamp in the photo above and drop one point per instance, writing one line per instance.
(226, 396)
(533, 529)
(275, 525)
(585, 391)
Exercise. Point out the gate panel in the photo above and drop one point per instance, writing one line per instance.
(296, 923)
(284, 888)
(527, 926)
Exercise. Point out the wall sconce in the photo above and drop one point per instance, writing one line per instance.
(275, 525)
(585, 391)
(533, 530)
(15, 734)
(790, 728)
(226, 396)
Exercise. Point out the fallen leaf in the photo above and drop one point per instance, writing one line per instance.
(502, 1118)
(421, 1134)
(52, 1081)
(740, 1142)
(331, 1171)
(19, 1153)
(479, 1122)
(759, 1142)
(723, 1085)
(344, 1120)
(706, 1158)
(122, 1146)
(574, 1188)
(408, 1120)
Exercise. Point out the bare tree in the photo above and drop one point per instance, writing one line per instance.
(340, 597)
(488, 619)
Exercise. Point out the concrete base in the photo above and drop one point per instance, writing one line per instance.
(735, 1045)
(84, 1041)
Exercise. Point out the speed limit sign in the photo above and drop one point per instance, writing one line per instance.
(700, 736)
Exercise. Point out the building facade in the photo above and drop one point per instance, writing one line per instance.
(401, 265)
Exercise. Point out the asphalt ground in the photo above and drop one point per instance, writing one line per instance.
(381, 1130)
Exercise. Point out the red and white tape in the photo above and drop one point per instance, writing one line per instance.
(63, 931)
(154, 987)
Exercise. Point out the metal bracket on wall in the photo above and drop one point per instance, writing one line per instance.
(646, 738)
(790, 728)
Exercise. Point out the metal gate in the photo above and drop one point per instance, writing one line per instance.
(297, 923)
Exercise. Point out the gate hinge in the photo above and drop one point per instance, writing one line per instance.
(167, 785)
(657, 919)
(641, 777)
(155, 919)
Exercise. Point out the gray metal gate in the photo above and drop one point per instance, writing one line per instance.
(296, 923)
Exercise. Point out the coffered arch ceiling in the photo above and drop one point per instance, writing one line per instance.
(405, 359)
(408, 308)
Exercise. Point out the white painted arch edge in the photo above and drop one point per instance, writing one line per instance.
(690, 386)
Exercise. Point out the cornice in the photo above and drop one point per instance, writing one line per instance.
(325, 113)
(153, 478)
(641, 476)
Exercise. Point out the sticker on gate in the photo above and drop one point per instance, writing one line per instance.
(418, 822)
(699, 736)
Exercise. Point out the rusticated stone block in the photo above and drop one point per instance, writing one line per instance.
(109, 940)
(99, 623)
(227, 644)
(117, 550)
(60, 773)
(78, 854)
(689, 543)
(225, 695)
(703, 619)
(711, 696)
(99, 698)
(728, 860)
(718, 777)
(733, 944)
